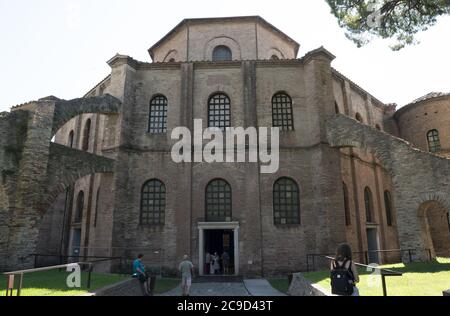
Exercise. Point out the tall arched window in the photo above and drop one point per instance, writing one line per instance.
(286, 202)
(97, 202)
(79, 208)
(71, 138)
(336, 108)
(388, 207)
(222, 53)
(368, 201)
(219, 111)
(347, 206)
(158, 115)
(282, 112)
(218, 201)
(448, 220)
(153, 203)
(434, 142)
(86, 135)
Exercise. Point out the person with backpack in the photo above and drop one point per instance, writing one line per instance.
(344, 275)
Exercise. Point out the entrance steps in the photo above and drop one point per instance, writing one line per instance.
(219, 279)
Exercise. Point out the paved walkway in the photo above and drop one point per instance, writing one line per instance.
(213, 289)
(261, 287)
(246, 288)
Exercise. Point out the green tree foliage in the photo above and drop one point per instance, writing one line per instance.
(398, 19)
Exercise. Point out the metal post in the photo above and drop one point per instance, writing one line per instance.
(410, 255)
(383, 280)
(429, 254)
(307, 263)
(89, 276)
(19, 290)
(366, 254)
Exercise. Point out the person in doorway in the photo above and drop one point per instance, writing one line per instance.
(226, 262)
(344, 275)
(216, 263)
(207, 263)
(140, 274)
(187, 273)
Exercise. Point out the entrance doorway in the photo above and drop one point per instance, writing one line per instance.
(222, 243)
(373, 245)
(76, 244)
(220, 238)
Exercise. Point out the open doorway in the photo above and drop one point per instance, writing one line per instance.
(373, 246)
(220, 242)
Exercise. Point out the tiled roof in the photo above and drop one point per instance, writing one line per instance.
(429, 96)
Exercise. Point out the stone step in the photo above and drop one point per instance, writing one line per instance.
(219, 279)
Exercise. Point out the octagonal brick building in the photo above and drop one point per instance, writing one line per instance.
(240, 72)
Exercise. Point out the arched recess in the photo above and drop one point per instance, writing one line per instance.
(414, 173)
(435, 227)
(274, 52)
(229, 42)
(172, 56)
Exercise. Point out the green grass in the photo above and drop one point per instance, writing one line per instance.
(419, 279)
(281, 285)
(53, 283)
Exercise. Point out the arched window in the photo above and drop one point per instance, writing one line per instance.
(388, 207)
(434, 142)
(71, 138)
(359, 118)
(222, 53)
(97, 202)
(282, 112)
(218, 201)
(79, 208)
(86, 135)
(286, 202)
(158, 115)
(219, 111)
(347, 206)
(378, 127)
(274, 57)
(368, 201)
(336, 108)
(153, 203)
(172, 60)
(448, 220)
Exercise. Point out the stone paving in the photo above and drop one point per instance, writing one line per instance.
(213, 289)
(257, 287)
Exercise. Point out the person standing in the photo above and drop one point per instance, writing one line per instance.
(140, 274)
(226, 262)
(216, 263)
(344, 275)
(187, 273)
(207, 263)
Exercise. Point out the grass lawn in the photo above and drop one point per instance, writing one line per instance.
(53, 283)
(281, 285)
(419, 279)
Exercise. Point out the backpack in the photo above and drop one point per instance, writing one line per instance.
(342, 281)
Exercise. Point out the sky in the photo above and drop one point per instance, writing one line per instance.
(60, 47)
